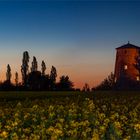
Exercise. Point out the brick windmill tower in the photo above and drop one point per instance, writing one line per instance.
(125, 66)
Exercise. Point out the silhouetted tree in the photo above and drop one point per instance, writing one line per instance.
(25, 68)
(8, 74)
(7, 85)
(34, 64)
(16, 78)
(43, 67)
(53, 75)
(45, 79)
(34, 80)
(86, 88)
(107, 84)
(65, 84)
(45, 82)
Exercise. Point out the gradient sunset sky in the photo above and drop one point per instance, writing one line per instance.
(77, 37)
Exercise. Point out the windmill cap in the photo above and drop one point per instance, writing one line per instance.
(128, 45)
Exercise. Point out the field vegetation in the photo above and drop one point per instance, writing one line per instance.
(70, 115)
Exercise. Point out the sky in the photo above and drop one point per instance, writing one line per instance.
(77, 37)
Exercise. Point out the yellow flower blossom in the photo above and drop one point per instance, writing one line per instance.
(137, 128)
(4, 134)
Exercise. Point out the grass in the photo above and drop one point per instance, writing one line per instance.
(14, 95)
(11, 95)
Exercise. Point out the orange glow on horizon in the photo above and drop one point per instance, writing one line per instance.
(79, 74)
(77, 81)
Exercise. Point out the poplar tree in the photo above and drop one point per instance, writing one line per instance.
(25, 67)
(16, 78)
(34, 64)
(43, 68)
(8, 74)
(53, 75)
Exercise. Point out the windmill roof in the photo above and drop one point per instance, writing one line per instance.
(128, 45)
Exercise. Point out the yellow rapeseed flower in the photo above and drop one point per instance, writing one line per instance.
(4, 134)
(137, 128)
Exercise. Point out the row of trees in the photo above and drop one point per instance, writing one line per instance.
(34, 79)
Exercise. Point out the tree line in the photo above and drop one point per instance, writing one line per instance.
(35, 80)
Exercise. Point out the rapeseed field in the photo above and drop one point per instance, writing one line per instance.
(71, 118)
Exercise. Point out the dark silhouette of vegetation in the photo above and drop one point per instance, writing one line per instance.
(53, 75)
(7, 85)
(16, 79)
(124, 83)
(107, 84)
(45, 83)
(8, 74)
(34, 64)
(43, 68)
(86, 88)
(35, 80)
(65, 84)
(25, 68)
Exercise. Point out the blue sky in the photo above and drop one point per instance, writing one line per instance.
(78, 37)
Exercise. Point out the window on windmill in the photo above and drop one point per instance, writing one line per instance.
(138, 78)
(125, 67)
